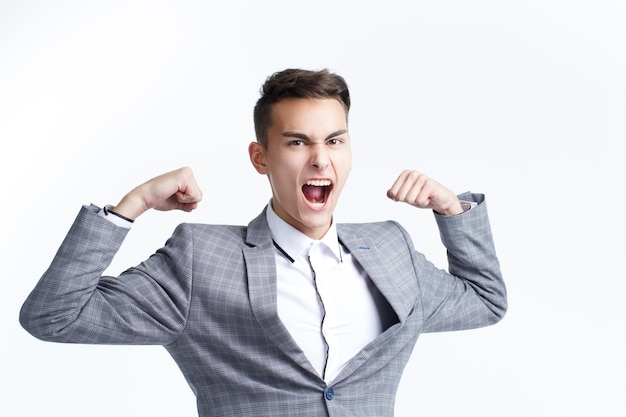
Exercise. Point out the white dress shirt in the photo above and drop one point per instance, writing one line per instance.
(325, 299)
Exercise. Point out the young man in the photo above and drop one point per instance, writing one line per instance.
(293, 315)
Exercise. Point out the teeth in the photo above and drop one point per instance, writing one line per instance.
(318, 183)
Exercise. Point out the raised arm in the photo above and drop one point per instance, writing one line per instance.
(472, 292)
(74, 302)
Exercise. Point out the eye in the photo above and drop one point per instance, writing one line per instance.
(296, 142)
(334, 141)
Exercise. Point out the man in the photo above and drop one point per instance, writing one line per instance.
(293, 315)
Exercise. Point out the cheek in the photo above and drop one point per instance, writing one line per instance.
(284, 181)
(344, 166)
(286, 172)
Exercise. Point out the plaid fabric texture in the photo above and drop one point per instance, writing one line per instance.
(209, 297)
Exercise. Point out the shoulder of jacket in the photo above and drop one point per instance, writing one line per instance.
(372, 229)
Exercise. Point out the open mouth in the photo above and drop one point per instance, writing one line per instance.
(316, 192)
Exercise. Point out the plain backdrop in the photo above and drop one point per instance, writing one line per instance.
(524, 101)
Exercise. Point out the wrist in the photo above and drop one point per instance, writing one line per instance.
(109, 211)
(456, 207)
(130, 207)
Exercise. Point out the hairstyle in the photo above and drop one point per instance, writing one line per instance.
(296, 83)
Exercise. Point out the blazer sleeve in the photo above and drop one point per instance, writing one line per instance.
(73, 302)
(472, 293)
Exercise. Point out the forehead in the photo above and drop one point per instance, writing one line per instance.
(299, 113)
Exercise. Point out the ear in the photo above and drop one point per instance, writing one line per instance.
(258, 157)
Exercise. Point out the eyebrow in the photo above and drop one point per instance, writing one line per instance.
(305, 137)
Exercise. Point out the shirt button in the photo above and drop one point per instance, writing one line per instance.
(329, 393)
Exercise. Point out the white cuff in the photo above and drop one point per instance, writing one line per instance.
(114, 218)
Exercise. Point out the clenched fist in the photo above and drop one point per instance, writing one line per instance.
(175, 190)
(417, 189)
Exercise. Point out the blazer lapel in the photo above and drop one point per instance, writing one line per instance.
(261, 269)
(400, 294)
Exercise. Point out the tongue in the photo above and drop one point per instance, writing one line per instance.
(313, 194)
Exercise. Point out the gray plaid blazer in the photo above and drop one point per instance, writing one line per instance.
(209, 297)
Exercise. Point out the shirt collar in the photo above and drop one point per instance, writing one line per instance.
(296, 243)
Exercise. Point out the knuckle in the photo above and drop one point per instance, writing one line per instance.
(414, 175)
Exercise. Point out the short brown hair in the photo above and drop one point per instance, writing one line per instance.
(296, 83)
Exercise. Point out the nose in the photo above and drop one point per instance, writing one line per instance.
(320, 158)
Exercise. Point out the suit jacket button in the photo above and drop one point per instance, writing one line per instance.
(329, 393)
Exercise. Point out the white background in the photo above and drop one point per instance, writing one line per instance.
(522, 100)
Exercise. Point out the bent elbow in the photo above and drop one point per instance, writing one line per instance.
(41, 325)
(498, 310)
(32, 322)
